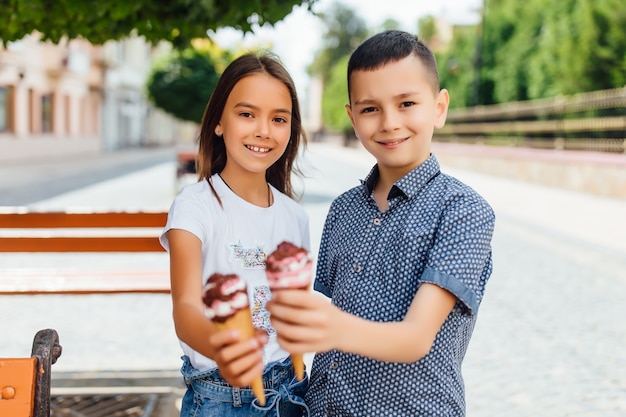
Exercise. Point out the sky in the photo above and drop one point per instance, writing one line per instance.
(297, 37)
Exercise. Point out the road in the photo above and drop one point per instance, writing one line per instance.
(550, 336)
(23, 182)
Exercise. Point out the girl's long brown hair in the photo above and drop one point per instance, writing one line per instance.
(212, 151)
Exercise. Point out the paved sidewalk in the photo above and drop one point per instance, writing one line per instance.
(550, 336)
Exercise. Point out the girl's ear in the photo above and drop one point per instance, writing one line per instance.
(218, 130)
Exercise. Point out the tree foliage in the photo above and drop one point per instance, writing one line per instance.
(345, 30)
(182, 85)
(335, 97)
(537, 49)
(176, 21)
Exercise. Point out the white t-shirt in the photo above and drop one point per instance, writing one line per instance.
(237, 239)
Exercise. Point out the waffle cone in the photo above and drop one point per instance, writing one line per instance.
(297, 359)
(242, 321)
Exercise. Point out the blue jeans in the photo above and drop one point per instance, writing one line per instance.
(208, 394)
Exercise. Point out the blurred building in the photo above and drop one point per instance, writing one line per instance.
(76, 97)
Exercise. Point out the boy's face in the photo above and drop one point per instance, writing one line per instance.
(394, 112)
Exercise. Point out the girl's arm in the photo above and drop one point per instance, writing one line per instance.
(307, 322)
(239, 362)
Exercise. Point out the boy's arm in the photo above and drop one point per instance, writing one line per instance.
(306, 322)
(239, 362)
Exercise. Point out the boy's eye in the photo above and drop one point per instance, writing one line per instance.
(407, 104)
(368, 109)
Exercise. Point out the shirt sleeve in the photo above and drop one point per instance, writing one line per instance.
(460, 260)
(186, 213)
(324, 274)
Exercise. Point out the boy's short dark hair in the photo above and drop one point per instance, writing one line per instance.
(392, 46)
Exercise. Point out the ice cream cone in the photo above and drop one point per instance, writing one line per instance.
(242, 321)
(290, 267)
(298, 365)
(226, 304)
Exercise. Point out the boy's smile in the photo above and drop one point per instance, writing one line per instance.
(394, 111)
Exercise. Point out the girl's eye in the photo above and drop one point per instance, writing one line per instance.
(407, 104)
(246, 114)
(281, 120)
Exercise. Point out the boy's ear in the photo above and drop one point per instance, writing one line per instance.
(443, 100)
(349, 111)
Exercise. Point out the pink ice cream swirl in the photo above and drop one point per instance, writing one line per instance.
(289, 266)
(224, 295)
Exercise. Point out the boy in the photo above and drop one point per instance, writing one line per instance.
(404, 257)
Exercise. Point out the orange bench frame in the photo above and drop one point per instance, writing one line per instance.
(39, 281)
(25, 382)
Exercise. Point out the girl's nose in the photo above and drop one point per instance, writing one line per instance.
(262, 129)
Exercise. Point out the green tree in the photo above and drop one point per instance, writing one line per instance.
(582, 47)
(176, 21)
(344, 32)
(334, 99)
(390, 24)
(183, 83)
(543, 48)
(456, 66)
(427, 28)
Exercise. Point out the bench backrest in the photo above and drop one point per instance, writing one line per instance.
(121, 232)
(81, 243)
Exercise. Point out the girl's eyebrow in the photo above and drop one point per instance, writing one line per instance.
(253, 107)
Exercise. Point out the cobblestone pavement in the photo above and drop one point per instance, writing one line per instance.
(550, 336)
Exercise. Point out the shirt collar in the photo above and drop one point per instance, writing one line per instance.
(409, 185)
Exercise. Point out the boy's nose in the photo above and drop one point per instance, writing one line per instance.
(389, 121)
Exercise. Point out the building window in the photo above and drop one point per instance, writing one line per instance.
(4, 109)
(46, 113)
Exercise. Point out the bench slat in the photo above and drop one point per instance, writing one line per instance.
(29, 220)
(33, 281)
(81, 244)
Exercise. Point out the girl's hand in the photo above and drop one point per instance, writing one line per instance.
(305, 321)
(239, 362)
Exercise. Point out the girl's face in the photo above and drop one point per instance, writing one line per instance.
(255, 123)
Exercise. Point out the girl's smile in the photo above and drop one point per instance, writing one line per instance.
(258, 149)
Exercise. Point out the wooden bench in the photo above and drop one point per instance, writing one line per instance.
(107, 233)
(25, 382)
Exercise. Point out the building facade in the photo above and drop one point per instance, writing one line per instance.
(75, 97)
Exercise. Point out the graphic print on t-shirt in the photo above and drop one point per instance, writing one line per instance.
(260, 316)
(251, 258)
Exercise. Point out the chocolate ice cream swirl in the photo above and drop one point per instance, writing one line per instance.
(224, 295)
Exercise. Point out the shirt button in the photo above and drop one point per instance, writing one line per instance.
(358, 268)
(377, 221)
(334, 365)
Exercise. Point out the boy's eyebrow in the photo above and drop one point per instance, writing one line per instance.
(253, 107)
(367, 101)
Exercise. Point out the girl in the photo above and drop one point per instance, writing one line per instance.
(228, 222)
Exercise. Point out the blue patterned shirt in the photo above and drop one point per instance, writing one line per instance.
(371, 263)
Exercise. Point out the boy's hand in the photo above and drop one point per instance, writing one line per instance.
(239, 362)
(304, 321)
